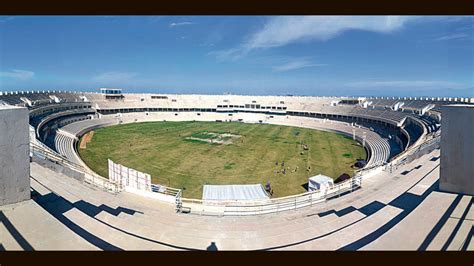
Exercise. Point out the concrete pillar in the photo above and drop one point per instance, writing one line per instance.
(14, 155)
(457, 149)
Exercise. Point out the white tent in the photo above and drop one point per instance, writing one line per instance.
(320, 182)
(234, 192)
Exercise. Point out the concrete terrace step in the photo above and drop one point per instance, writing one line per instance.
(72, 186)
(413, 230)
(132, 224)
(339, 223)
(88, 218)
(464, 229)
(47, 233)
(89, 223)
(351, 233)
(113, 236)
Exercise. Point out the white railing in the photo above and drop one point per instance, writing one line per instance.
(178, 201)
(427, 145)
(165, 190)
(42, 151)
(240, 208)
(90, 177)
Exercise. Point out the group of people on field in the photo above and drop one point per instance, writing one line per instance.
(284, 170)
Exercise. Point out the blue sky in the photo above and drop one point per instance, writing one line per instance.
(301, 55)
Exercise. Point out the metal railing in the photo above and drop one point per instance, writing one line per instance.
(165, 190)
(430, 143)
(43, 152)
(179, 202)
(240, 208)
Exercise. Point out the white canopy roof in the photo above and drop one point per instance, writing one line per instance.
(234, 192)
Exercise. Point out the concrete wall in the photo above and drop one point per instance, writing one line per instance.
(457, 149)
(59, 168)
(14, 155)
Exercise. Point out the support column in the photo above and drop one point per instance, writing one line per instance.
(457, 149)
(14, 155)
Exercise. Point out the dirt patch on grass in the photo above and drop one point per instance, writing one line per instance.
(86, 139)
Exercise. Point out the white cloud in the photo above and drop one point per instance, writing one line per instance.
(5, 19)
(177, 24)
(295, 64)
(284, 30)
(455, 36)
(419, 84)
(224, 55)
(207, 44)
(115, 77)
(18, 74)
(466, 28)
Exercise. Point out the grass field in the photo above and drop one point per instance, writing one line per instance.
(162, 150)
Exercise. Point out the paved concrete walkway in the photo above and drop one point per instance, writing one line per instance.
(399, 210)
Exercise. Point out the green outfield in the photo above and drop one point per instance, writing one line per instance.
(190, 154)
